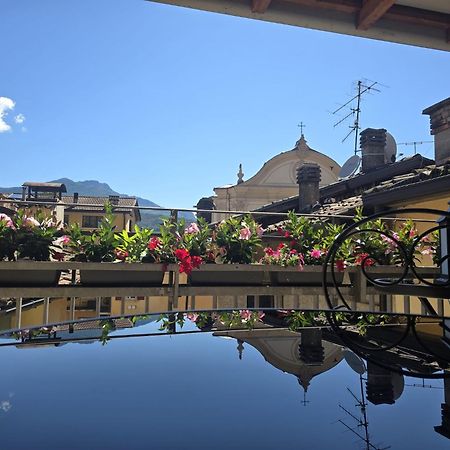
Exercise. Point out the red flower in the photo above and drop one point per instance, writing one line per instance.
(340, 265)
(280, 246)
(187, 262)
(292, 244)
(122, 255)
(287, 234)
(58, 256)
(196, 261)
(182, 254)
(268, 251)
(363, 259)
(154, 243)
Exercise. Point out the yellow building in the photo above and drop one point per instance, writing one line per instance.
(86, 210)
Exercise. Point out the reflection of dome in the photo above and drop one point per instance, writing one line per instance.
(280, 348)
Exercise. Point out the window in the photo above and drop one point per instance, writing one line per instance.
(91, 221)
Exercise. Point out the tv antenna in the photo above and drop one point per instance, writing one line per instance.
(355, 111)
(415, 144)
(361, 421)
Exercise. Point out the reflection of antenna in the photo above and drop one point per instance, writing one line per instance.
(361, 421)
(415, 143)
(361, 89)
(423, 385)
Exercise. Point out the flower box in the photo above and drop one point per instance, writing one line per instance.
(122, 274)
(309, 276)
(390, 274)
(230, 275)
(28, 273)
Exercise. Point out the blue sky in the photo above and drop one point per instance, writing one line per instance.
(165, 102)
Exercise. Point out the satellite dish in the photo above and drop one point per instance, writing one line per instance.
(354, 361)
(350, 167)
(398, 384)
(390, 149)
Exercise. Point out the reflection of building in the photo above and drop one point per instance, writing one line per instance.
(444, 428)
(276, 179)
(283, 350)
(383, 386)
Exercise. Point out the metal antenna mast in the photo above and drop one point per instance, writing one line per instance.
(361, 421)
(415, 144)
(361, 89)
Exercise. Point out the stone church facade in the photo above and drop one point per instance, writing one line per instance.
(276, 180)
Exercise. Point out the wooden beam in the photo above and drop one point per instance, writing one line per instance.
(416, 16)
(371, 12)
(260, 6)
(396, 13)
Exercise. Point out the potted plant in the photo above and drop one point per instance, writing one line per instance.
(304, 253)
(7, 238)
(193, 246)
(97, 246)
(233, 247)
(131, 250)
(381, 251)
(26, 240)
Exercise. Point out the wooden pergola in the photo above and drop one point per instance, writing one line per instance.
(423, 23)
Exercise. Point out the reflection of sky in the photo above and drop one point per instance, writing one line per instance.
(183, 392)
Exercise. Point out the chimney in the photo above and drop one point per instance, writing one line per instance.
(114, 200)
(205, 203)
(310, 350)
(75, 197)
(373, 143)
(379, 385)
(308, 179)
(440, 129)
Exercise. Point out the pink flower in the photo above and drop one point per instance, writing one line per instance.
(8, 221)
(192, 317)
(260, 230)
(315, 253)
(245, 314)
(65, 239)
(30, 222)
(192, 228)
(245, 234)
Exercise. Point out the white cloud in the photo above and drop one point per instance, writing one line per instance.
(6, 104)
(20, 118)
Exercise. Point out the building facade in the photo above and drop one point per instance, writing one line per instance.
(277, 179)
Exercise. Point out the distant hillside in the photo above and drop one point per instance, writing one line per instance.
(96, 188)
